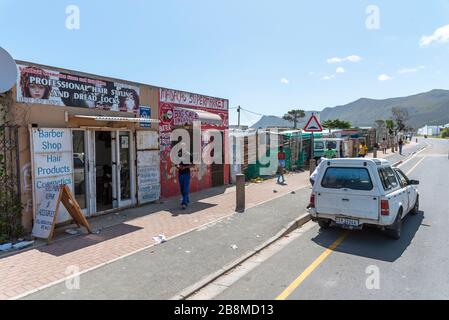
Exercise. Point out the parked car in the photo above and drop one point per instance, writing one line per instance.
(353, 193)
(321, 145)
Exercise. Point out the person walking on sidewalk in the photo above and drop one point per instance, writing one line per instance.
(184, 176)
(363, 150)
(384, 146)
(281, 167)
(184, 183)
(401, 144)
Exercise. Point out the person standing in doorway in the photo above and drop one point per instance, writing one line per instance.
(281, 167)
(401, 144)
(363, 150)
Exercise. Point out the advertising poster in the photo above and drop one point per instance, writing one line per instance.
(52, 159)
(43, 86)
(145, 112)
(148, 176)
(46, 212)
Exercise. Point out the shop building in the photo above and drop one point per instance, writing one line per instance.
(98, 135)
(179, 110)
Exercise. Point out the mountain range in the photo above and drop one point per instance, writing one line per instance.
(431, 108)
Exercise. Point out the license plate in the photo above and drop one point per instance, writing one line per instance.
(347, 222)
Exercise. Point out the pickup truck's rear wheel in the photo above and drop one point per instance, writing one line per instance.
(324, 224)
(395, 230)
(415, 209)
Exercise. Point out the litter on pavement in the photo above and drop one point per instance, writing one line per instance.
(234, 247)
(160, 239)
(72, 231)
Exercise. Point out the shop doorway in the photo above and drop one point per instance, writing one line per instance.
(218, 168)
(103, 171)
(80, 169)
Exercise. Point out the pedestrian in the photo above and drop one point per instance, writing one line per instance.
(281, 167)
(401, 144)
(184, 178)
(330, 153)
(384, 145)
(363, 150)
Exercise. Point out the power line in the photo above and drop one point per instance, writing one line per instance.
(259, 114)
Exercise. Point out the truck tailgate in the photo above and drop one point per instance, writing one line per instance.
(348, 204)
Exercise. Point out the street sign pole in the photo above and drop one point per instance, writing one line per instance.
(312, 146)
(313, 125)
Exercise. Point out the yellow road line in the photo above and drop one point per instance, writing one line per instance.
(414, 167)
(288, 291)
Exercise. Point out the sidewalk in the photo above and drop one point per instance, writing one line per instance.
(131, 231)
(128, 232)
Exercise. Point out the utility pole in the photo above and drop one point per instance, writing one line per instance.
(238, 110)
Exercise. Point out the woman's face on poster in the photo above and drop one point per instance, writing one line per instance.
(130, 103)
(37, 91)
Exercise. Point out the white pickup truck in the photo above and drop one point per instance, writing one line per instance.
(351, 193)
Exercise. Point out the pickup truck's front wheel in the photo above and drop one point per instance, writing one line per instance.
(395, 230)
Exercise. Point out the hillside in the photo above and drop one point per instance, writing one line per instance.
(274, 121)
(430, 108)
(425, 108)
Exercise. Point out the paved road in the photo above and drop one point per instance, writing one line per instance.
(414, 267)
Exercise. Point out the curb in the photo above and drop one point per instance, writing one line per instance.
(189, 291)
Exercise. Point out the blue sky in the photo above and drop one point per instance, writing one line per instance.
(267, 56)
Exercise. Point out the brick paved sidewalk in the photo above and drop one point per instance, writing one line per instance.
(127, 232)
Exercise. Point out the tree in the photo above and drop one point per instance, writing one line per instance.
(294, 116)
(445, 133)
(400, 116)
(336, 124)
(390, 126)
(380, 123)
(342, 124)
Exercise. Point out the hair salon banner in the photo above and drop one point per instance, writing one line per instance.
(43, 86)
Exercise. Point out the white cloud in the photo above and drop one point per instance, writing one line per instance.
(352, 58)
(410, 70)
(285, 81)
(328, 77)
(384, 77)
(440, 35)
(340, 70)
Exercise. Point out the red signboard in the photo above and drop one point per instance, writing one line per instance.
(175, 110)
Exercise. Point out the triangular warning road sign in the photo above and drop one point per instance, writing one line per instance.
(313, 125)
